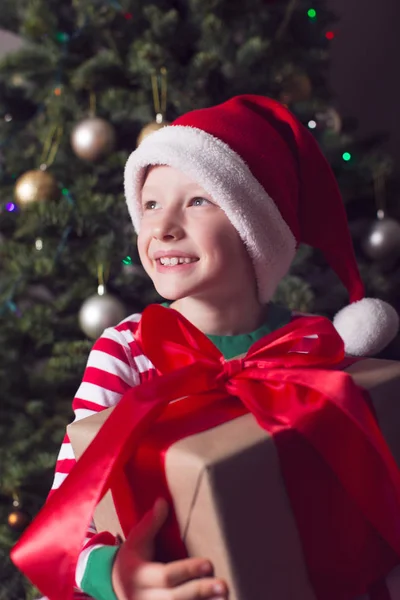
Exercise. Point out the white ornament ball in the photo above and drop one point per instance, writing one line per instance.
(93, 138)
(99, 312)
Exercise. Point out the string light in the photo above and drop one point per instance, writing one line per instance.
(127, 260)
(312, 13)
(128, 16)
(57, 91)
(330, 35)
(12, 307)
(68, 196)
(346, 156)
(62, 37)
(312, 124)
(11, 207)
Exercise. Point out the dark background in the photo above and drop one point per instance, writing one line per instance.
(365, 66)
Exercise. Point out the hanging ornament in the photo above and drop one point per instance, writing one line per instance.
(36, 186)
(153, 126)
(93, 139)
(100, 311)
(18, 519)
(329, 120)
(382, 242)
(160, 105)
(39, 185)
(383, 239)
(296, 88)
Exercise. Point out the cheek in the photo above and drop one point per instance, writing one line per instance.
(142, 246)
(227, 244)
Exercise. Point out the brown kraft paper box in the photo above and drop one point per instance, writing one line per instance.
(219, 496)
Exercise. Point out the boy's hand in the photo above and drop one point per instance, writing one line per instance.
(135, 577)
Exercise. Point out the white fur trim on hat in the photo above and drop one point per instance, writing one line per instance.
(366, 326)
(226, 177)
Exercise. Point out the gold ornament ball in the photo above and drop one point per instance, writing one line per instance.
(93, 138)
(36, 186)
(150, 128)
(18, 520)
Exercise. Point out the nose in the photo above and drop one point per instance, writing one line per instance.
(167, 227)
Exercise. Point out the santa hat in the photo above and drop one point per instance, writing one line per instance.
(266, 171)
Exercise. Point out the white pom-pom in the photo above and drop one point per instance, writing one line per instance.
(367, 326)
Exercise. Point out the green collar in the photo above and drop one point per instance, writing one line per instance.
(233, 345)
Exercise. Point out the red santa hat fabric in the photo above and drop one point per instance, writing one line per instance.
(266, 171)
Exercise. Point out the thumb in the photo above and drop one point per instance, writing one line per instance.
(142, 536)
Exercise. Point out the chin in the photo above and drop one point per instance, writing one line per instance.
(168, 294)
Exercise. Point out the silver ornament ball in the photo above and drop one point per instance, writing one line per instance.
(383, 240)
(93, 138)
(99, 312)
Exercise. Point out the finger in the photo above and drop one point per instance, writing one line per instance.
(159, 575)
(147, 529)
(199, 589)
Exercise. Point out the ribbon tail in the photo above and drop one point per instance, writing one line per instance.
(48, 551)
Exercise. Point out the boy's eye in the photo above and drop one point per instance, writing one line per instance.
(199, 201)
(150, 205)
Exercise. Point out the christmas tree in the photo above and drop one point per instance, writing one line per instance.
(90, 78)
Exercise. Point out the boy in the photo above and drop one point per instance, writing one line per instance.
(220, 201)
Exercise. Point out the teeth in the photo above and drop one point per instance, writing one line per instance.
(171, 262)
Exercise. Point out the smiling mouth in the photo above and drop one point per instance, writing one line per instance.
(173, 261)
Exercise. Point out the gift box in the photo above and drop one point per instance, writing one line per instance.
(226, 511)
(278, 465)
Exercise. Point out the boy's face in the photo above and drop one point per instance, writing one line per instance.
(186, 242)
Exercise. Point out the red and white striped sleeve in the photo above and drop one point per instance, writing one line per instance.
(114, 365)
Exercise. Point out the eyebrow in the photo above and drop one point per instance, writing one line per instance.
(189, 186)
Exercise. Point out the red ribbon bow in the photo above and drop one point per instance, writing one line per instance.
(342, 481)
